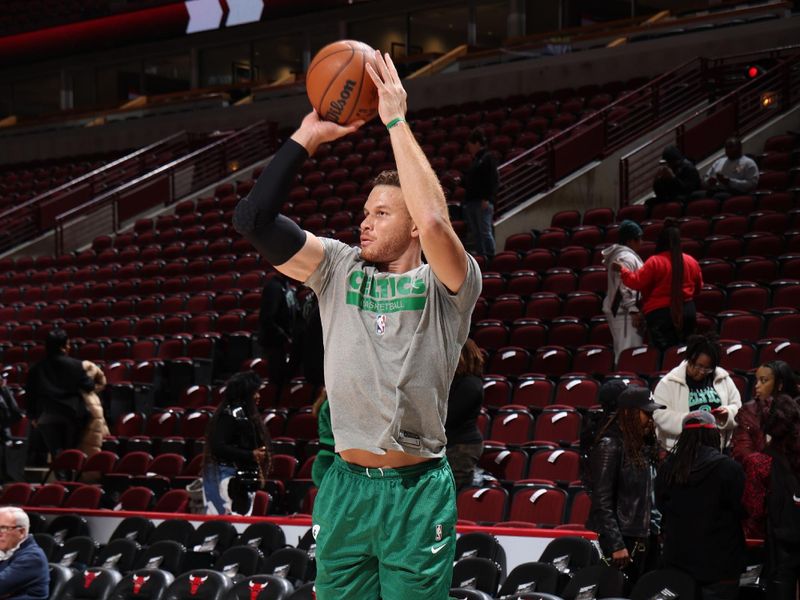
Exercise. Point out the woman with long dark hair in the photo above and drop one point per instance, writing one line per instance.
(772, 378)
(772, 494)
(236, 457)
(620, 482)
(464, 439)
(668, 281)
(699, 493)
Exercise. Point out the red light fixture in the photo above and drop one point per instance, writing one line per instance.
(754, 71)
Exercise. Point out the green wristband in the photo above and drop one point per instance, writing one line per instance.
(394, 122)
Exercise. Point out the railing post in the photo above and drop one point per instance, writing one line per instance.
(655, 93)
(623, 183)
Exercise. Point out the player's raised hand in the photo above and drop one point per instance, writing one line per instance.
(314, 131)
(391, 94)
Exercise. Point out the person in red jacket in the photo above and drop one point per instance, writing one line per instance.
(668, 281)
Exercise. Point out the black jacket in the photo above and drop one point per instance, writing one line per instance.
(54, 386)
(702, 519)
(621, 493)
(463, 407)
(234, 437)
(481, 181)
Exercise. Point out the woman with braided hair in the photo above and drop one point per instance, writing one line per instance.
(620, 482)
(236, 456)
(699, 493)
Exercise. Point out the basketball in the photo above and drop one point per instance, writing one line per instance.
(338, 85)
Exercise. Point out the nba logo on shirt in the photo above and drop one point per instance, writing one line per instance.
(439, 532)
(380, 324)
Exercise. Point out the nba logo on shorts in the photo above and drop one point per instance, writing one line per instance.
(438, 532)
(380, 324)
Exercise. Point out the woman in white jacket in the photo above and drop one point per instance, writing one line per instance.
(698, 383)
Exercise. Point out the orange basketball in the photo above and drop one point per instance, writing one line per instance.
(338, 85)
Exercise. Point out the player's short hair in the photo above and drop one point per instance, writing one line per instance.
(389, 177)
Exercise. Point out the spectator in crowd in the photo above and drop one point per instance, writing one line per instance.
(620, 480)
(277, 319)
(772, 498)
(464, 439)
(669, 281)
(322, 410)
(24, 572)
(697, 383)
(11, 460)
(10, 412)
(620, 305)
(594, 421)
(699, 493)
(96, 428)
(676, 177)
(480, 189)
(772, 378)
(732, 174)
(236, 457)
(55, 389)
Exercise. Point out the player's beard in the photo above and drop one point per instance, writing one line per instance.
(386, 248)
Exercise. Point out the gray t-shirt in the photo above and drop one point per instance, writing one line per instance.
(392, 343)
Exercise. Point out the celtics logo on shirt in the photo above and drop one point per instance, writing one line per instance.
(385, 293)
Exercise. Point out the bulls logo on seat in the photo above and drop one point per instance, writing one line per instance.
(89, 577)
(195, 581)
(138, 582)
(255, 588)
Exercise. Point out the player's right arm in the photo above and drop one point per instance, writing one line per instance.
(291, 250)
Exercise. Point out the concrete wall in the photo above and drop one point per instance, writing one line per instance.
(570, 70)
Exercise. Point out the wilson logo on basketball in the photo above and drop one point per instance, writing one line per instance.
(337, 106)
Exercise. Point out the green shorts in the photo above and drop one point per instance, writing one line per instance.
(385, 533)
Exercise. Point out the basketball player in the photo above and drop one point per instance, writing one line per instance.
(384, 517)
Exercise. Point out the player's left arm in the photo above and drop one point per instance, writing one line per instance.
(421, 190)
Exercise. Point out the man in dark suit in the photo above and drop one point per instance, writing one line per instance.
(54, 395)
(24, 572)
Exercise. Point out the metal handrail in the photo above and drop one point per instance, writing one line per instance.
(188, 174)
(24, 221)
(743, 106)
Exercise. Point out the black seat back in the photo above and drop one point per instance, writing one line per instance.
(482, 545)
(290, 563)
(165, 555)
(202, 584)
(267, 537)
(119, 554)
(607, 582)
(59, 576)
(66, 526)
(144, 584)
(478, 573)
(78, 552)
(677, 582)
(137, 529)
(533, 577)
(261, 587)
(95, 583)
(175, 530)
(238, 562)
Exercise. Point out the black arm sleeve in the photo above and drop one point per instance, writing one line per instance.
(257, 216)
